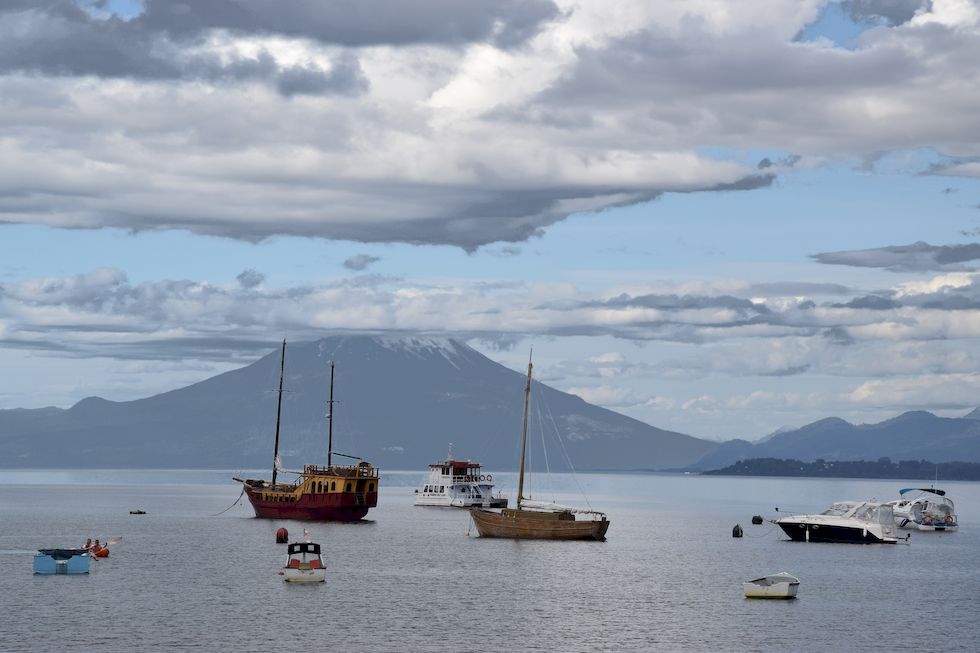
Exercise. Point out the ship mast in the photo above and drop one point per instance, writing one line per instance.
(527, 401)
(275, 455)
(330, 420)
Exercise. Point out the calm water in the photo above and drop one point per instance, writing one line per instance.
(668, 578)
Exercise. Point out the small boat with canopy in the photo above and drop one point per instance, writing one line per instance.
(304, 564)
(924, 509)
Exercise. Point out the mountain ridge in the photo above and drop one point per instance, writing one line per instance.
(400, 402)
(912, 435)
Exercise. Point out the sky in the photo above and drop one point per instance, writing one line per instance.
(719, 218)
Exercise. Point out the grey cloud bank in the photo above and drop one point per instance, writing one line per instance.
(444, 122)
(918, 256)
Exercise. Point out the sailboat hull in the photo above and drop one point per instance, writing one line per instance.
(338, 506)
(533, 525)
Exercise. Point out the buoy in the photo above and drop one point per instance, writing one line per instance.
(737, 531)
(756, 519)
(282, 536)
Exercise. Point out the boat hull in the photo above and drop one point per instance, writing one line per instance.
(304, 575)
(55, 563)
(337, 506)
(776, 591)
(803, 532)
(528, 525)
(445, 501)
(911, 525)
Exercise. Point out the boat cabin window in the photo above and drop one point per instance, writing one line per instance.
(348, 488)
(445, 471)
(370, 487)
(333, 486)
(319, 486)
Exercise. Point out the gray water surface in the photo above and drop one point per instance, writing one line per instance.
(412, 579)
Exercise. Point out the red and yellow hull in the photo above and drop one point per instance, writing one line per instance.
(338, 506)
(335, 493)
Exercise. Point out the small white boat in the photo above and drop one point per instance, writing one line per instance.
(304, 564)
(776, 586)
(924, 509)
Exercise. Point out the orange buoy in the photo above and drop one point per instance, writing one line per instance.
(282, 536)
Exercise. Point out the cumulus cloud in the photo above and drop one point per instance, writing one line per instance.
(892, 12)
(461, 123)
(250, 278)
(360, 262)
(918, 256)
(767, 336)
(938, 391)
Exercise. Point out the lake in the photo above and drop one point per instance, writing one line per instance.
(419, 579)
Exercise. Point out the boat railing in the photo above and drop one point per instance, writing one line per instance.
(346, 471)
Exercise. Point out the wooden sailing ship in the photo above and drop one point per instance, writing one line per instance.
(331, 493)
(527, 521)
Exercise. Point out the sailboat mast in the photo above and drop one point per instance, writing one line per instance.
(527, 401)
(330, 421)
(275, 453)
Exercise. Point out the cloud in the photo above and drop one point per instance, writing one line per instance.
(605, 395)
(360, 262)
(443, 122)
(892, 12)
(250, 278)
(918, 256)
(76, 44)
(797, 288)
(947, 391)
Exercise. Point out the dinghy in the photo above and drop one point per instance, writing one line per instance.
(776, 586)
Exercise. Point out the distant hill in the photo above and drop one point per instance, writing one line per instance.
(915, 435)
(882, 468)
(401, 402)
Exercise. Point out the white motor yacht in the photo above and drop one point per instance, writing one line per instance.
(458, 483)
(859, 522)
(924, 509)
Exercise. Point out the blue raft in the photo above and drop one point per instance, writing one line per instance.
(61, 561)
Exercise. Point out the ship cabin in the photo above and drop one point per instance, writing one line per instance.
(456, 471)
(304, 555)
(361, 480)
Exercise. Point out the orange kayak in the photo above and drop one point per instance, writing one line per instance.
(101, 553)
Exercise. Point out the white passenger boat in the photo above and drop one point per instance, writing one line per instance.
(304, 564)
(776, 586)
(858, 522)
(458, 483)
(924, 509)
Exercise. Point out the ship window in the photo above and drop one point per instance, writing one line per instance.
(442, 488)
(333, 486)
(347, 489)
(319, 487)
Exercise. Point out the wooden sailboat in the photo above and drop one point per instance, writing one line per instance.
(544, 522)
(331, 493)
